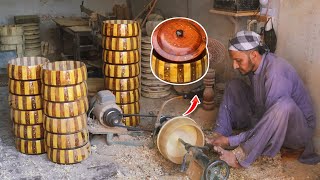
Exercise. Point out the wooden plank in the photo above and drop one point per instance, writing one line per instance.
(66, 22)
(234, 14)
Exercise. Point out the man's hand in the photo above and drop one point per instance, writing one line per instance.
(219, 140)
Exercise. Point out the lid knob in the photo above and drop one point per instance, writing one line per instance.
(179, 33)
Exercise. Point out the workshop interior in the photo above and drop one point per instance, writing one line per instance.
(132, 89)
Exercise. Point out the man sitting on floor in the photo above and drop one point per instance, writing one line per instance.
(275, 108)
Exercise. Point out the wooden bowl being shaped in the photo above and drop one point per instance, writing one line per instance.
(120, 28)
(179, 73)
(178, 127)
(179, 39)
(64, 73)
(26, 68)
(121, 57)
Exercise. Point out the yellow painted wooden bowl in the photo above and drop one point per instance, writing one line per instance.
(121, 57)
(67, 141)
(125, 97)
(65, 109)
(120, 43)
(178, 127)
(65, 125)
(64, 93)
(132, 108)
(26, 68)
(25, 102)
(121, 84)
(27, 117)
(121, 71)
(120, 28)
(131, 121)
(31, 147)
(28, 132)
(70, 156)
(64, 73)
(179, 73)
(25, 87)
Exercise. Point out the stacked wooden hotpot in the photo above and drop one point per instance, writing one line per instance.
(26, 103)
(121, 55)
(65, 104)
(179, 51)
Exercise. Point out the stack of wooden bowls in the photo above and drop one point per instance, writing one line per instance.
(151, 87)
(65, 105)
(31, 34)
(180, 54)
(26, 104)
(11, 38)
(121, 68)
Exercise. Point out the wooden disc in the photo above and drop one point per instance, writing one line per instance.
(145, 64)
(32, 46)
(64, 93)
(11, 30)
(29, 37)
(145, 58)
(28, 132)
(35, 32)
(125, 97)
(148, 76)
(131, 121)
(26, 68)
(67, 141)
(27, 117)
(156, 88)
(146, 39)
(146, 70)
(32, 52)
(30, 146)
(65, 125)
(120, 28)
(132, 108)
(64, 73)
(179, 73)
(146, 52)
(32, 41)
(121, 71)
(24, 87)
(65, 109)
(120, 44)
(70, 156)
(147, 82)
(155, 95)
(147, 47)
(25, 102)
(125, 84)
(30, 27)
(121, 57)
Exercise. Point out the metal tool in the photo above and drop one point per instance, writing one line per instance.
(216, 169)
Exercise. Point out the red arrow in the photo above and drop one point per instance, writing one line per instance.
(194, 103)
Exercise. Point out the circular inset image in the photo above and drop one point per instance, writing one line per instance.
(179, 53)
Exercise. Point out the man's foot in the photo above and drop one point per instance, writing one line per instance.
(227, 156)
(219, 140)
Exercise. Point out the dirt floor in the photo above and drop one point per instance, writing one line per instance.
(128, 162)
